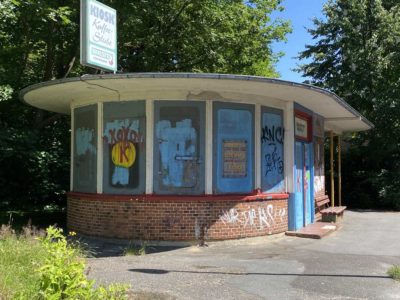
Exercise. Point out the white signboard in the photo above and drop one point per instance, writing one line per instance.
(98, 35)
(301, 127)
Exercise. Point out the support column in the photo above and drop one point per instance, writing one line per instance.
(257, 144)
(332, 171)
(288, 147)
(208, 159)
(149, 145)
(71, 178)
(99, 185)
(340, 170)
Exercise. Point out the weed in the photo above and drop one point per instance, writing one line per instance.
(394, 272)
(135, 249)
(20, 256)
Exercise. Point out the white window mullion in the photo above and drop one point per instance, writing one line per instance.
(99, 187)
(149, 139)
(257, 145)
(208, 160)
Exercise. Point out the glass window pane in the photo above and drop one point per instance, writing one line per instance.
(85, 149)
(124, 147)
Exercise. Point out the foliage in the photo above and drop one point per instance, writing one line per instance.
(46, 268)
(394, 272)
(62, 275)
(356, 56)
(40, 41)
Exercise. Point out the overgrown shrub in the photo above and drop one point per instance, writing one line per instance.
(36, 265)
(63, 274)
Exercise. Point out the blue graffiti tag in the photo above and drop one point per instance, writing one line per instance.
(273, 162)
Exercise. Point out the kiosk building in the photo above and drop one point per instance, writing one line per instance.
(182, 156)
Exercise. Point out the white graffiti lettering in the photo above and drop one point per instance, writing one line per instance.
(263, 217)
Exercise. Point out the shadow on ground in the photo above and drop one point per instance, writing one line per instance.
(161, 271)
(98, 247)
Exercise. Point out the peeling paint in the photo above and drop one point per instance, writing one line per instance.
(84, 141)
(178, 150)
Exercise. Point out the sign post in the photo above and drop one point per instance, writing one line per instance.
(98, 35)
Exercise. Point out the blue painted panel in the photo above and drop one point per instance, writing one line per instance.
(177, 147)
(272, 168)
(235, 126)
(298, 186)
(308, 181)
(312, 200)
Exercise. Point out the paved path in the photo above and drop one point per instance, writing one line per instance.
(348, 264)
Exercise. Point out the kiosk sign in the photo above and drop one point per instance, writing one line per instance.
(98, 35)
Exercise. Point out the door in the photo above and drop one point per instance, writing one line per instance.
(303, 204)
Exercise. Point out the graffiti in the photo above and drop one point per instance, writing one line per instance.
(273, 162)
(319, 169)
(260, 218)
(306, 179)
(122, 135)
(178, 149)
(84, 141)
(230, 216)
(319, 186)
(299, 175)
(272, 134)
(122, 131)
(272, 139)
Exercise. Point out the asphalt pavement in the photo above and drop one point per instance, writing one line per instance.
(350, 263)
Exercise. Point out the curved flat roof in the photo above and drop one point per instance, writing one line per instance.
(59, 95)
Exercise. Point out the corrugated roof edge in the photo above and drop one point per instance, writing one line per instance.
(335, 97)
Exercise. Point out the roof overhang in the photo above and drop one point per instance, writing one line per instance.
(59, 95)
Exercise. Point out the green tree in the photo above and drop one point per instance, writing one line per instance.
(40, 41)
(356, 55)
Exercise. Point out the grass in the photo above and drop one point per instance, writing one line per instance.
(41, 219)
(394, 272)
(20, 257)
(134, 249)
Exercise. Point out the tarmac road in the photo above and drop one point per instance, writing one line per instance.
(350, 263)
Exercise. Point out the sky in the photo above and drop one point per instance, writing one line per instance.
(300, 13)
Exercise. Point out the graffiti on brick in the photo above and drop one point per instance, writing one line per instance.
(260, 218)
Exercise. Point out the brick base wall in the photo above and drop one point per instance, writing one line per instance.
(174, 219)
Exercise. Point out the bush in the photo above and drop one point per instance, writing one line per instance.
(63, 274)
(36, 265)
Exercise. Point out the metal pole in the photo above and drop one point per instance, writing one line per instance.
(340, 169)
(332, 179)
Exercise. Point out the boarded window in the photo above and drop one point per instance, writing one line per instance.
(272, 155)
(179, 147)
(85, 149)
(124, 147)
(233, 148)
